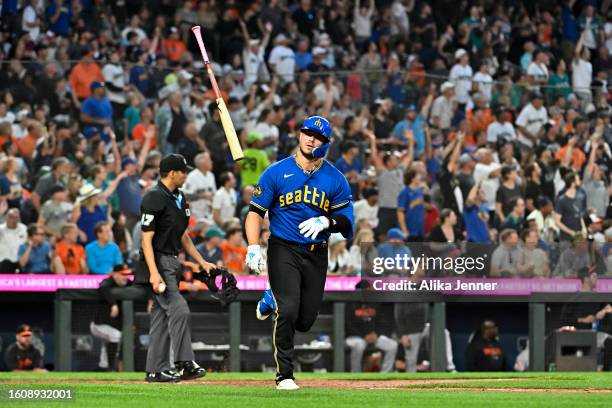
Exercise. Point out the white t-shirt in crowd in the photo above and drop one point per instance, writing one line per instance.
(225, 201)
(461, 75)
(539, 72)
(399, 19)
(283, 59)
(268, 131)
(320, 91)
(497, 130)
(29, 16)
(485, 84)
(489, 185)
(252, 62)
(442, 108)
(582, 75)
(362, 24)
(10, 240)
(115, 75)
(363, 210)
(531, 119)
(608, 31)
(196, 183)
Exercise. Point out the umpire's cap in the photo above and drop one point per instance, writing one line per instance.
(174, 162)
(321, 126)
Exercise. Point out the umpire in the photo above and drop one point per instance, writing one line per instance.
(164, 219)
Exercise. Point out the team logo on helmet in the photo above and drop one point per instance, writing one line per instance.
(318, 123)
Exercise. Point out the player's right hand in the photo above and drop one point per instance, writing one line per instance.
(155, 280)
(255, 261)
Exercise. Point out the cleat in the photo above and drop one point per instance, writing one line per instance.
(287, 385)
(163, 377)
(265, 306)
(190, 370)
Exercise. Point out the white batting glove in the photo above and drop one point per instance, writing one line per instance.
(311, 227)
(254, 260)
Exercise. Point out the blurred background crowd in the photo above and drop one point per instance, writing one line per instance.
(455, 123)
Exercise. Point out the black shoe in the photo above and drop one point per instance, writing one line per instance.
(164, 376)
(190, 370)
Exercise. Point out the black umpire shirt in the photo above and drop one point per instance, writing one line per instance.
(166, 213)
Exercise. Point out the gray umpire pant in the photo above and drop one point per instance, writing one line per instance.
(170, 320)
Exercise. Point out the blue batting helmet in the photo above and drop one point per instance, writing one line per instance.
(322, 127)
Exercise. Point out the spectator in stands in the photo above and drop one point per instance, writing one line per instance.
(594, 183)
(34, 256)
(350, 165)
(361, 335)
(461, 75)
(56, 211)
(83, 76)
(536, 262)
(103, 254)
(255, 160)
(410, 206)
(516, 216)
(13, 234)
(507, 259)
(200, 187)
(339, 259)
(363, 251)
(583, 253)
(22, 355)
(210, 248)
(89, 211)
(443, 108)
(234, 251)
(569, 209)
(393, 247)
(476, 216)
(10, 183)
(225, 199)
(282, 59)
(484, 351)
(69, 255)
(60, 169)
(531, 120)
(97, 113)
(508, 190)
(130, 191)
(582, 70)
(367, 207)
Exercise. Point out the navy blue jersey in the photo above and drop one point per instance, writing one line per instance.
(291, 195)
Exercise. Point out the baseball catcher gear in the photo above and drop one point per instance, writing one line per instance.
(229, 286)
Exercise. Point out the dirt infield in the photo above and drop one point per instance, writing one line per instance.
(407, 385)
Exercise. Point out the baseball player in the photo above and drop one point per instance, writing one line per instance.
(164, 219)
(306, 199)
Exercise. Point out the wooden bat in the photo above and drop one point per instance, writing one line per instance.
(226, 120)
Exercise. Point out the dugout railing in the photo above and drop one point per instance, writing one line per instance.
(537, 302)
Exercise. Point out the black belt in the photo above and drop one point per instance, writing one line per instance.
(173, 254)
(301, 245)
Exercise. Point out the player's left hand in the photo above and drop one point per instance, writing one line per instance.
(313, 226)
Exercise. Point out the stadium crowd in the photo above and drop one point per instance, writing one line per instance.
(488, 125)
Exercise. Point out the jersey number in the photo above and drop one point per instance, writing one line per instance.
(249, 163)
(146, 219)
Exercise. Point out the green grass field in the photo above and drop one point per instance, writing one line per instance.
(118, 390)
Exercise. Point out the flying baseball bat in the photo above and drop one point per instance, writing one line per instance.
(226, 120)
